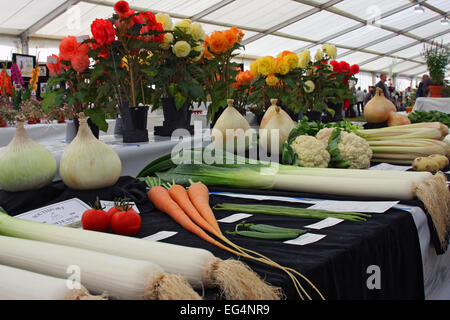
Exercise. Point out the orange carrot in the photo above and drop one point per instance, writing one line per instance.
(163, 202)
(199, 195)
(179, 194)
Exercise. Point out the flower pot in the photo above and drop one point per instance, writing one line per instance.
(95, 130)
(134, 123)
(435, 91)
(173, 118)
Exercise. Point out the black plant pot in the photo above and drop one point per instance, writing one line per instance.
(95, 130)
(337, 114)
(314, 116)
(173, 118)
(134, 123)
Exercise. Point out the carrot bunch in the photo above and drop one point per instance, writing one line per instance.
(190, 208)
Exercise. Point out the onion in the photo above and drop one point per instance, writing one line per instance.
(397, 119)
(378, 108)
(278, 126)
(24, 164)
(88, 163)
(231, 130)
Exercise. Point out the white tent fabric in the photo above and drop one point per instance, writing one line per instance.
(379, 35)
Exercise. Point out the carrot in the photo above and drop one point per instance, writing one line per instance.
(163, 202)
(199, 195)
(179, 194)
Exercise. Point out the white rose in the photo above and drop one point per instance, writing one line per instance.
(181, 49)
(197, 31)
(165, 20)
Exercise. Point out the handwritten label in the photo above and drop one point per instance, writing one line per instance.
(160, 235)
(325, 223)
(109, 204)
(355, 206)
(235, 217)
(64, 213)
(305, 239)
(389, 167)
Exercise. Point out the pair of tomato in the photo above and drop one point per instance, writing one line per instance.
(122, 219)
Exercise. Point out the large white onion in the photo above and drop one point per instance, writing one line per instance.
(88, 163)
(278, 126)
(231, 131)
(271, 112)
(25, 164)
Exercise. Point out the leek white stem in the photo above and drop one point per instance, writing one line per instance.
(119, 277)
(18, 284)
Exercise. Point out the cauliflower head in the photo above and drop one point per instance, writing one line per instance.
(310, 152)
(356, 150)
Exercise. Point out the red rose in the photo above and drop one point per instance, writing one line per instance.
(149, 17)
(354, 69)
(80, 62)
(103, 32)
(156, 37)
(344, 66)
(335, 66)
(121, 8)
(68, 48)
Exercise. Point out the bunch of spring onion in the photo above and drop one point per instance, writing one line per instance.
(402, 144)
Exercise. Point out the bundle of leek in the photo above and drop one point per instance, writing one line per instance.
(402, 144)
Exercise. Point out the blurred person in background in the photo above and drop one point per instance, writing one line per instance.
(359, 96)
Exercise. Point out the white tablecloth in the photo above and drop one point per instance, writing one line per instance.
(427, 104)
(45, 132)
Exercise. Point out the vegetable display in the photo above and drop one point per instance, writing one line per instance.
(377, 110)
(19, 284)
(432, 163)
(95, 219)
(199, 266)
(267, 232)
(121, 278)
(430, 116)
(88, 163)
(24, 164)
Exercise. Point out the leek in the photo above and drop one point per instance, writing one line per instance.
(119, 277)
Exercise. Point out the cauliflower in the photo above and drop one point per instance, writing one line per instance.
(354, 151)
(310, 152)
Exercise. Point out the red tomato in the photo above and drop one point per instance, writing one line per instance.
(125, 223)
(95, 220)
(116, 209)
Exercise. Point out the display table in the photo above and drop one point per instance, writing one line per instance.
(428, 104)
(45, 132)
(397, 242)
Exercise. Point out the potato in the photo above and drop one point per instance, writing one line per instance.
(425, 164)
(441, 159)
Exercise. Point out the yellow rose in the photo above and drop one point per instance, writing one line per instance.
(283, 67)
(197, 31)
(267, 65)
(309, 86)
(181, 49)
(272, 80)
(184, 25)
(165, 20)
(319, 55)
(168, 39)
(254, 68)
(330, 50)
(304, 58)
(292, 60)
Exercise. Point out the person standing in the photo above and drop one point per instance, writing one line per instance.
(382, 84)
(359, 95)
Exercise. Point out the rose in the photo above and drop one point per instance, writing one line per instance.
(330, 50)
(121, 8)
(272, 80)
(181, 49)
(80, 62)
(335, 65)
(304, 58)
(165, 20)
(167, 40)
(218, 42)
(184, 25)
(319, 55)
(157, 37)
(344, 67)
(231, 37)
(68, 48)
(254, 68)
(149, 17)
(354, 69)
(282, 66)
(309, 86)
(291, 59)
(197, 31)
(267, 65)
(103, 31)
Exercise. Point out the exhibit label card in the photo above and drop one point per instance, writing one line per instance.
(63, 213)
(160, 235)
(325, 223)
(235, 217)
(389, 167)
(305, 239)
(355, 206)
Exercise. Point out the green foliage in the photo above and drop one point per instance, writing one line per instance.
(437, 57)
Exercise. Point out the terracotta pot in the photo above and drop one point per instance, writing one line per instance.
(435, 91)
(409, 109)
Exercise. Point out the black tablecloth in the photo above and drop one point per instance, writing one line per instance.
(339, 265)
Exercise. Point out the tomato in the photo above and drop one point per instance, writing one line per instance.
(125, 223)
(116, 209)
(95, 220)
